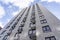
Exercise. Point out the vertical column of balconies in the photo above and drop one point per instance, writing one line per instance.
(12, 26)
(17, 26)
(20, 29)
(32, 25)
(8, 25)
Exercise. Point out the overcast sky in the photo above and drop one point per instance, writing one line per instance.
(9, 8)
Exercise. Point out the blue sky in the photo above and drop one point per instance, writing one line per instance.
(9, 8)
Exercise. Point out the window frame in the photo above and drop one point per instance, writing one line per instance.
(43, 21)
(46, 28)
(50, 38)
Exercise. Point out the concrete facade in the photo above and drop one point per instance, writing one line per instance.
(32, 23)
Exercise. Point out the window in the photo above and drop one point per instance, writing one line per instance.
(43, 21)
(32, 34)
(9, 32)
(32, 26)
(16, 23)
(24, 19)
(15, 34)
(50, 38)
(20, 29)
(42, 16)
(13, 27)
(32, 17)
(18, 19)
(33, 21)
(22, 25)
(46, 28)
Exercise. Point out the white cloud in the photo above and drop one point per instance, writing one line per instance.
(15, 13)
(2, 12)
(51, 0)
(1, 24)
(20, 3)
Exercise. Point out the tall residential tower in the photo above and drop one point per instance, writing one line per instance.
(32, 23)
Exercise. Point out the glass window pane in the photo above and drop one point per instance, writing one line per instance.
(43, 21)
(46, 28)
(50, 38)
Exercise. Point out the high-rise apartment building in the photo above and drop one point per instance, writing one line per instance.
(32, 23)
